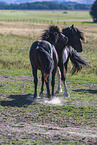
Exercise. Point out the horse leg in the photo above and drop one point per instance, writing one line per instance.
(48, 88)
(35, 82)
(65, 89)
(53, 80)
(42, 87)
(63, 78)
(59, 89)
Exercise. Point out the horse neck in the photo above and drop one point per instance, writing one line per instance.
(67, 33)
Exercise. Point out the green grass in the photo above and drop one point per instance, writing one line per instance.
(14, 51)
(43, 16)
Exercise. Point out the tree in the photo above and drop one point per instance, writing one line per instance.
(93, 11)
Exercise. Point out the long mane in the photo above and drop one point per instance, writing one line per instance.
(81, 34)
(70, 29)
(51, 30)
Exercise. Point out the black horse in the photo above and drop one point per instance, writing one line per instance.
(69, 52)
(74, 45)
(75, 36)
(43, 56)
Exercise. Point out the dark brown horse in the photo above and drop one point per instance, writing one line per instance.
(69, 52)
(74, 45)
(43, 56)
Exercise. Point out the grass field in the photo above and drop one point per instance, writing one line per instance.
(45, 16)
(73, 120)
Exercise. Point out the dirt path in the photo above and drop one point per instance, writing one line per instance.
(24, 121)
(16, 126)
(46, 133)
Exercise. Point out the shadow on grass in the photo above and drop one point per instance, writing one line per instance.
(16, 101)
(86, 91)
(88, 23)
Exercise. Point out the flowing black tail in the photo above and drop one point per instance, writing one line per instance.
(77, 61)
(46, 62)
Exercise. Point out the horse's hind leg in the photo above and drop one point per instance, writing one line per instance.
(48, 88)
(65, 89)
(53, 80)
(59, 89)
(63, 78)
(35, 82)
(42, 87)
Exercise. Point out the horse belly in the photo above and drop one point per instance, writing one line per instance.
(65, 55)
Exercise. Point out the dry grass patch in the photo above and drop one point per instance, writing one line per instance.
(21, 28)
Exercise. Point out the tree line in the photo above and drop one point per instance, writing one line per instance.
(44, 6)
(93, 11)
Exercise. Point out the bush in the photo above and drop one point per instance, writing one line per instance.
(93, 11)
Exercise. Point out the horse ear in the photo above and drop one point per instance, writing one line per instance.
(72, 26)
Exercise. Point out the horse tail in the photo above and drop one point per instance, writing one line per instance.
(46, 62)
(77, 61)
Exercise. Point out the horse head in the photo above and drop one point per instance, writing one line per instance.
(75, 36)
(54, 36)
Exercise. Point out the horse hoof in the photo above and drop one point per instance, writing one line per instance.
(31, 98)
(41, 95)
(50, 97)
(67, 95)
(58, 91)
(35, 96)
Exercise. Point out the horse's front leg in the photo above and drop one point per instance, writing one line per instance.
(42, 87)
(59, 89)
(63, 78)
(35, 82)
(53, 80)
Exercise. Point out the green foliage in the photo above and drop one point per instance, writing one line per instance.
(36, 6)
(44, 6)
(82, 7)
(93, 11)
